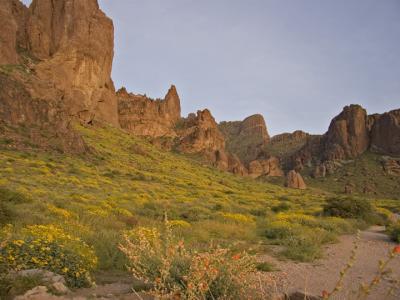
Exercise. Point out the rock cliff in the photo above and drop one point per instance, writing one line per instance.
(143, 116)
(265, 167)
(246, 138)
(68, 47)
(348, 134)
(385, 133)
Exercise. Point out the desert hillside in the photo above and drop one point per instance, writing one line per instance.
(110, 194)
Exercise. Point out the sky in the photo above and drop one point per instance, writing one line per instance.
(296, 62)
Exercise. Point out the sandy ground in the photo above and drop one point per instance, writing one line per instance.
(313, 278)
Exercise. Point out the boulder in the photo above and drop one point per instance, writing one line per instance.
(295, 180)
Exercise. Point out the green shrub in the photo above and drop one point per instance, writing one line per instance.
(8, 196)
(48, 247)
(283, 206)
(394, 232)
(349, 207)
(6, 214)
(265, 267)
(302, 243)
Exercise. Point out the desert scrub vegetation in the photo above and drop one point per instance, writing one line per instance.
(394, 232)
(158, 258)
(50, 248)
(353, 208)
(126, 183)
(303, 235)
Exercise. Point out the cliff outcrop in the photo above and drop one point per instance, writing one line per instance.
(68, 47)
(246, 138)
(143, 116)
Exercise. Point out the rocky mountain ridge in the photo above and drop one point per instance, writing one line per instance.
(351, 134)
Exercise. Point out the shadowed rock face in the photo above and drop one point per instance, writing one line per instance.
(13, 17)
(348, 134)
(246, 138)
(385, 133)
(147, 117)
(72, 44)
(8, 35)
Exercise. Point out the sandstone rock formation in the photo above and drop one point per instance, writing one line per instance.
(295, 180)
(385, 133)
(8, 35)
(348, 135)
(71, 45)
(13, 17)
(265, 167)
(75, 42)
(246, 138)
(147, 117)
(391, 165)
(288, 138)
(199, 133)
(46, 123)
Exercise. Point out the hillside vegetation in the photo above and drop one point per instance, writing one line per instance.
(125, 182)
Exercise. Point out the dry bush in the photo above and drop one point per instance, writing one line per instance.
(157, 258)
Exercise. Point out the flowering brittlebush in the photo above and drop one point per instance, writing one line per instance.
(48, 247)
(158, 258)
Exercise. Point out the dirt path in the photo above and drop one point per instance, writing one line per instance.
(313, 278)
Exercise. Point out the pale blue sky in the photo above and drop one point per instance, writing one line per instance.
(297, 62)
